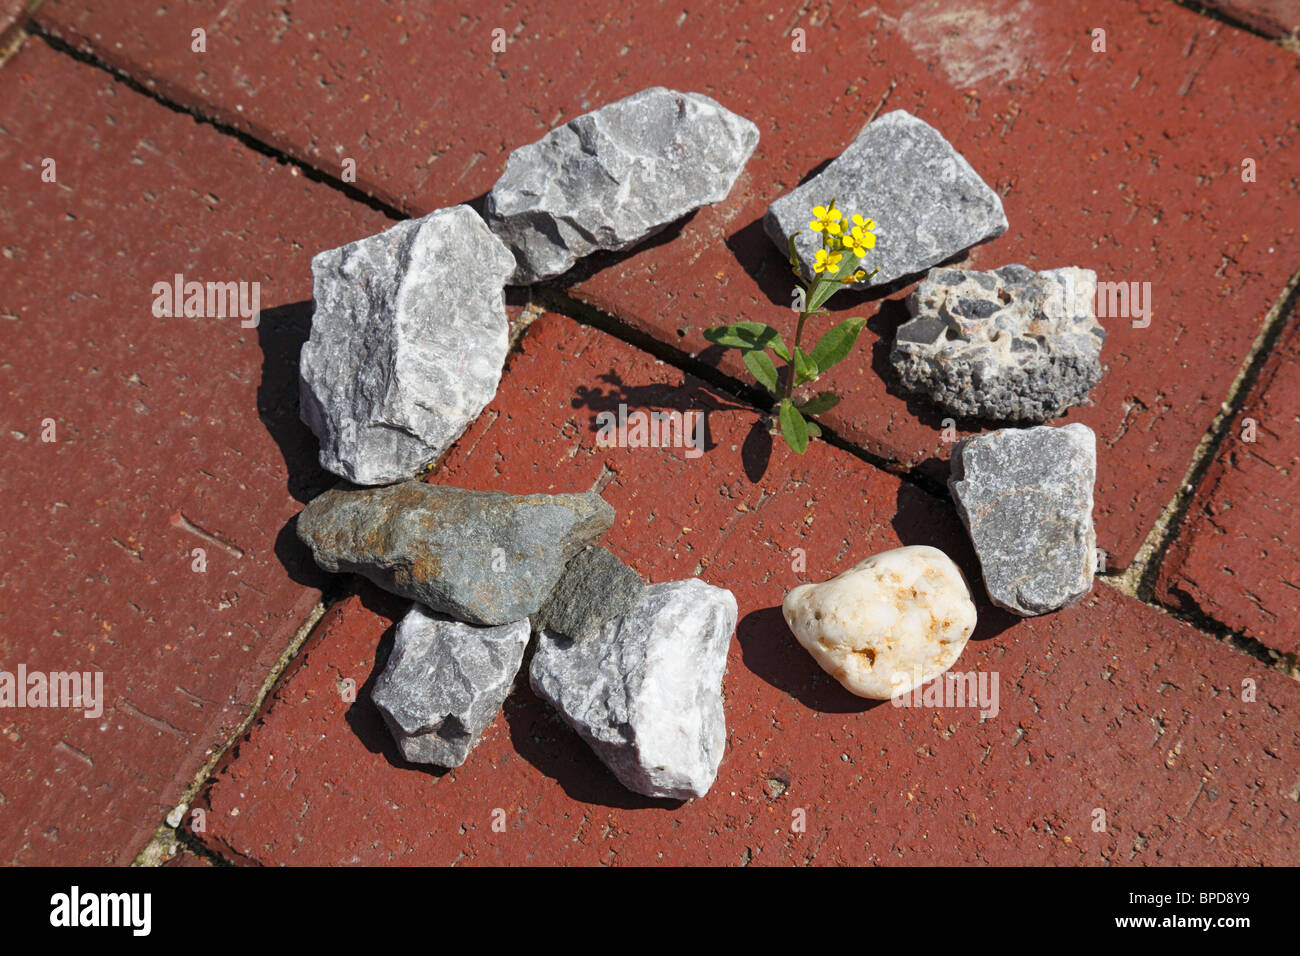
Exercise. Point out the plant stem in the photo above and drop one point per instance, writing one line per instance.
(798, 337)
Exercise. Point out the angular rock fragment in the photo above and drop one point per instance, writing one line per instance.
(646, 692)
(595, 587)
(611, 177)
(445, 682)
(887, 624)
(1006, 345)
(485, 557)
(1025, 496)
(927, 201)
(407, 344)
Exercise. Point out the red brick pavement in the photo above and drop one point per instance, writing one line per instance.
(1127, 161)
(168, 435)
(1236, 558)
(1110, 706)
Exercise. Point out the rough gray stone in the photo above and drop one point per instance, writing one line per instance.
(927, 201)
(611, 177)
(407, 343)
(595, 587)
(485, 557)
(1006, 345)
(646, 693)
(1025, 497)
(445, 682)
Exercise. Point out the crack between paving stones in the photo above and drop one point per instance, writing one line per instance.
(248, 140)
(556, 300)
(1138, 580)
(167, 839)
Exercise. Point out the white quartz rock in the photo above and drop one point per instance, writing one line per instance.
(887, 624)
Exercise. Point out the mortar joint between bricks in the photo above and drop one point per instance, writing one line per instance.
(384, 205)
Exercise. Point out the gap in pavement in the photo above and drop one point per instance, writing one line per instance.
(245, 139)
(1139, 578)
(168, 838)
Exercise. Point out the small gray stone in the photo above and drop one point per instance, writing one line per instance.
(1006, 345)
(407, 344)
(927, 201)
(595, 587)
(646, 693)
(445, 682)
(485, 557)
(612, 177)
(1025, 497)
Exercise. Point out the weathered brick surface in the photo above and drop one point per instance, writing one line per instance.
(168, 434)
(1110, 705)
(1127, 161)
(1237, 555)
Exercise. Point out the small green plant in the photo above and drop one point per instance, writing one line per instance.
(836, 264)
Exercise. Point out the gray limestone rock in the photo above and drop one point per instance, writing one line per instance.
(407, 344)
(485, 557)
(611, 177)
(595, 587)
(1025, 497)
(927, 201)
(445, 682)
(1006, 345)
(646, 693)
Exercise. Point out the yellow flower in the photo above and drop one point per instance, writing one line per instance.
(825, 261)
(862, 236)
(828, 219)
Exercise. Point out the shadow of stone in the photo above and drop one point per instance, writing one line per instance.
(770, 651)
(281, 333)
(542, 738)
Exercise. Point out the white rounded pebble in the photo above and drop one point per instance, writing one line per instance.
(888, 624)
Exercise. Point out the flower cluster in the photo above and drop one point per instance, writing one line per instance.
(829, 221)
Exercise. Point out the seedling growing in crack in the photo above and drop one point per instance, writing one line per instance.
(837, 264)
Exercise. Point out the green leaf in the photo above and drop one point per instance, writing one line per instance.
(837, 343)
(794, 254)
(823, 289)
(748, 336)
(814, 430)
(805, 368)
(761, 367)
(794, 428)
(819, 404)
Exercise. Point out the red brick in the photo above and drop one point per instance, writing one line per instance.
(160, 425)
(1126, 161)
(1276, 18)
(1109, 705)
(1235, 556)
